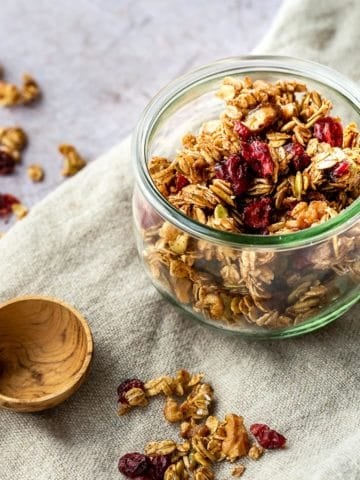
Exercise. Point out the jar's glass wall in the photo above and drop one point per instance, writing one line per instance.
(249, 290)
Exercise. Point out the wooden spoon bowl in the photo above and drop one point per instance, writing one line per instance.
(45, 353)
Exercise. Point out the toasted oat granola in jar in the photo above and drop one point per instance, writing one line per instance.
(246, 206)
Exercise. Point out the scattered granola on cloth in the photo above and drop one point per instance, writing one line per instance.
(206, 439)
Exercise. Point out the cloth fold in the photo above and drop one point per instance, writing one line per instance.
(78, 245)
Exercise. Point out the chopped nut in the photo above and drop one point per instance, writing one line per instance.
(13, 138)
(30, 89)
(255, 452)
(10, 95)
(236, 442)
(262, 117)
(35, 172)
(238, 471)
(73, 162)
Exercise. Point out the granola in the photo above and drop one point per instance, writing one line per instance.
(73, 162)
(206, 439)
(12, 95)
(274, 163)
(35, 172)
(12, 142)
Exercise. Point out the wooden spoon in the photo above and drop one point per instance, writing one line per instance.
(45, 353)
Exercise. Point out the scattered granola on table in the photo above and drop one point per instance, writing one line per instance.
(35, 172)
(73, 162)
(12, 141)
(274, 163)
(12, 95)
(206, 439)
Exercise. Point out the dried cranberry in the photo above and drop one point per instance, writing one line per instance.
(329, 130)
(267, 437)
(159, 465)
(246, 151)
(299, 159)
(257, 154)
(7, 163)
(134, 465)
(180, 182)
(242, 130)
(339, 170)
(236, 171)
(6, 202)
(127, 385)
(257, 214)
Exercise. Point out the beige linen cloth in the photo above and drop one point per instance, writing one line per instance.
(78, 245)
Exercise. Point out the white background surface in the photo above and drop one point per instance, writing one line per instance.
(100, 61)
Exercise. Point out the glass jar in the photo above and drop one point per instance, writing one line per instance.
(281, 285)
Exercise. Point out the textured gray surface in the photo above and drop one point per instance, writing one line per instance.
(100, 61)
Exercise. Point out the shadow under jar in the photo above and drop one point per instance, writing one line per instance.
(263, 286)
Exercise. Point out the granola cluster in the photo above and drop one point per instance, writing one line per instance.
(12, 95)
(73, 161)
(206, 439)
(274, 163)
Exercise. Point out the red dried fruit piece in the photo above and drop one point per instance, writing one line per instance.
(267, 437)
(6, 202)
(159, 465)
(134, 465)
(242, 130)
(236, 171)
(339, 170)
(299, 159)
(7, 163)
(180, 182)
(329, 130)
(127, 385)
(257, 154)
(257, 214)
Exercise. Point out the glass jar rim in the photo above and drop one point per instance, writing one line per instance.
(242, 65)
